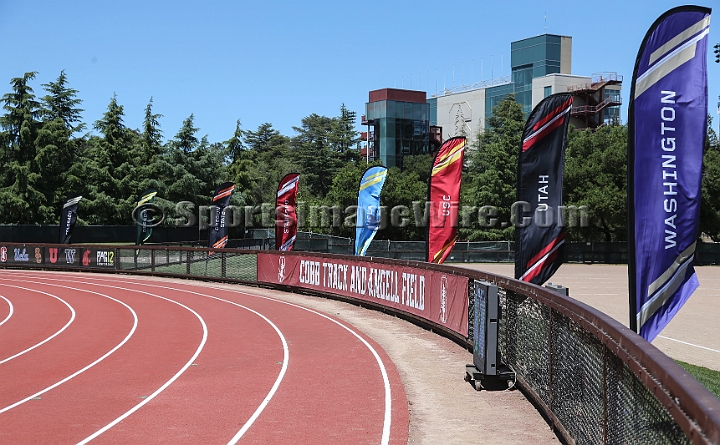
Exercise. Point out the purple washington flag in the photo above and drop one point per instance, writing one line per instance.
(667, 130)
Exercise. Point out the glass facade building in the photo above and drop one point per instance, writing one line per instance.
(495, 94)
(400, 121)
(535, 57)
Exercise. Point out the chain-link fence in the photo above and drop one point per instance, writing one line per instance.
(597, 382)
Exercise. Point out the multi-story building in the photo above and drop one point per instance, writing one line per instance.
(399, 124)
(540, 66)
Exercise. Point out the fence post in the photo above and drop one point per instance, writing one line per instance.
(152, 259)
(187, 258)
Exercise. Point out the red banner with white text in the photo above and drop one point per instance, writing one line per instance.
(444, 195)
(435, 296)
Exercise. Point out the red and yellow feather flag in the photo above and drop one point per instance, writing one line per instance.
(444, 197)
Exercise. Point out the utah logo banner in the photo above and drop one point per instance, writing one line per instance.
(286, 213)
(218, 231)
(667, 128)
(539, 238)
(444, 195)
(68, 217)
(368, 208)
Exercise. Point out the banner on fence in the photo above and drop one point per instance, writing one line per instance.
(435, 296)
(33, 255)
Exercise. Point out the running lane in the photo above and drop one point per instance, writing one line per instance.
(114, 353)
(6, 310)
(36, 317)
(333, 390)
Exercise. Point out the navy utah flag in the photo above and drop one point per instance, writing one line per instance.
(541, 162)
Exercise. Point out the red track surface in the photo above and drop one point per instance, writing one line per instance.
(164, 362)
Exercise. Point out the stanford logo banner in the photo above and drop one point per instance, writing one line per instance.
(539, 239)
(286, 214)
(444, 199)
(218, 231)
(368, 209)
(143, 231)
(68, 217)
(667, 130)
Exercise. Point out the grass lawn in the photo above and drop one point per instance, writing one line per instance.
(708, 377)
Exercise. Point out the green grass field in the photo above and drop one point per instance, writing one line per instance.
(708, 377)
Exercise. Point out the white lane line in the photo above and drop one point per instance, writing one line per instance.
(387, 421)
(689, 344)
(278, 380)
(11, 310)
(132, 331)
(72, 318)
(166, 384)
(385, 439)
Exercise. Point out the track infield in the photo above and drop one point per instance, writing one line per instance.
(692, 336)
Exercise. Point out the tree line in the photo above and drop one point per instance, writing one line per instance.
(46, 152)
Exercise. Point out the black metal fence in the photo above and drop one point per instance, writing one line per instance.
(463, 252)
(597, 381)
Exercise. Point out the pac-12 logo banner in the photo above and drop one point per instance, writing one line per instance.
(286, 214)
(667, 130)
(539, 241)
(444, 195)
(431, 295)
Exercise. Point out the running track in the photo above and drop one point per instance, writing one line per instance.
(118, 359)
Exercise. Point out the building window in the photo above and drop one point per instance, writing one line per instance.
(548, 91)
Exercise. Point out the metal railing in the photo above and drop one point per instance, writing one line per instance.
(595, 380)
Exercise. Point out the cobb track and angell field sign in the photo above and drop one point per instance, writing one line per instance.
(434, 296)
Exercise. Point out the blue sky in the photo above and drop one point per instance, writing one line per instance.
(279, 61)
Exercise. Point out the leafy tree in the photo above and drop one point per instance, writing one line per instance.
(710, 201)
(261, 159)
(313, 152)
(402, 188)
(420, 164)
(596, 176)
(492, 174)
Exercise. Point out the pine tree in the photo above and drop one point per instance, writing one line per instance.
(21, 200)
(62, 103)
(234, 147)
(185, 138)
(151, 135)
(21, 121)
